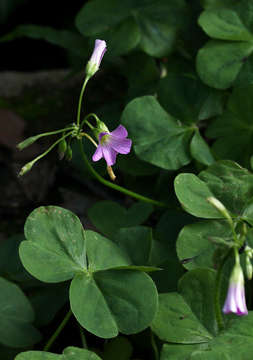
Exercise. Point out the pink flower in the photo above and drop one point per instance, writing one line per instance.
(235, 301)
(96, 57)
(112, 143)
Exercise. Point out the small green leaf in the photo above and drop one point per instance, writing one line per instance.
(195, 247)
(219, 62)
(16, 316)
(192, 194)
(108, 216)
(224, 24)
(175, 322)
(103, 254)
(200, 150)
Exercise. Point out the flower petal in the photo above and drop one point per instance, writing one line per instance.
(120, 132)
(109, 155)
(122, 146)
(98, 154)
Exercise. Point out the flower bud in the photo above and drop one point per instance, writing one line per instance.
(96, 58)
(249, 268)
(27, 167)
(235, 301)
(62, 148)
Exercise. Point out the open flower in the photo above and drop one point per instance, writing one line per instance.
(112, 143)
(96, 57)
(235, 301)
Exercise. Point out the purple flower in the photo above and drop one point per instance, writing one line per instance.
(235, 301)
(96, 57)
(112, 143)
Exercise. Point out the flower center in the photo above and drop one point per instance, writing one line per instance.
(105, 139)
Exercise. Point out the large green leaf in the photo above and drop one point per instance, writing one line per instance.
(115, 300)
(157, 137)
(233, 129)
(155, 23)
(70, 353)
(55, 247)
(109, 217)
(16, 316)
(200, 150)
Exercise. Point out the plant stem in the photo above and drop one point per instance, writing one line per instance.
(83, 339)
(51, 147)
(80, 100)
(217, 307)
(57, 331)
(114, 186)
(90, 138)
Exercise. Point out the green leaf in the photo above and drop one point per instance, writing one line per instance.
(67, 39)
(175, 322)
(103, 254)
(99, 16)
(219, 62)
(195, 247)
(233, 129)
(192, 194)
(55, 243)
(182, 96)
(16, 316)
(115, 300)
(127, 30)
(224, 24)
(108, 216)
(158, 23)
(200, 150)
(178, 352)
(231, 184)
(197, 288)
(157, 137)
(70, 353)
(140, 246)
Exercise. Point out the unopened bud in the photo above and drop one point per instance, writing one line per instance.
(62, 148)
(249, 268)
(220, 207)
(27, 167)
(96, 58)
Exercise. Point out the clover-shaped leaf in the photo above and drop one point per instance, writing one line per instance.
(57, 249)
